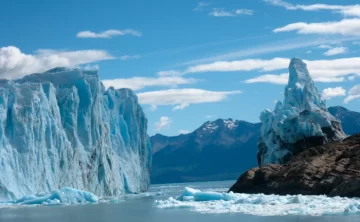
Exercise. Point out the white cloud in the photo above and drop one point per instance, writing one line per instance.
(281, 79)
(169, 73)
(163, 123)
(244, 11)
(329, 79)
(333, 92)
(15, 64)
(240, 65)
(108, 33)
(352, 77)
(179, 97)
(324, 47)
(137, 83)
(220, 12)
(91, 67)
(181, 106)
(356, 43)
(335, 67)
(127, 57)
(201, 6)
(308, 52)
(346, 10)
(152, 108)
(353, 93)
(278, 46)
(321, 70)
(345, 27)
(210, 116)
(184, 131)
(336, 51)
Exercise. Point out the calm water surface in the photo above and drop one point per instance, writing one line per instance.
(136, 208)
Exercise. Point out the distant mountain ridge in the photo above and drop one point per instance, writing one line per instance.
(211, 152)
(218, 150)
(350, 120)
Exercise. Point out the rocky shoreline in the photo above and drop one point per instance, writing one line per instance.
(332, 169)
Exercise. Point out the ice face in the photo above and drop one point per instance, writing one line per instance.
(260, 204)
(62, 129)
(301, 121)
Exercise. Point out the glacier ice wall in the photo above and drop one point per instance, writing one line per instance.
(62, 128)
(300, 122)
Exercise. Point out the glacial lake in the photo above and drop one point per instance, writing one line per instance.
(160, 205)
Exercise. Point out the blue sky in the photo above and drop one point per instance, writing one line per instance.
(190, 61)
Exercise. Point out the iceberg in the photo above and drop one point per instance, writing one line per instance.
(211, 202)
(299, 122)
(62, 128)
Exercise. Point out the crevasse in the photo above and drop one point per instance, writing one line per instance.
(62, 128)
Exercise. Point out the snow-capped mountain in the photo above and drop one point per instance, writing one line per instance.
(218, 150)
(61, 128)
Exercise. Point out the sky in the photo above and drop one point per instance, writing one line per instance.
(190, 61)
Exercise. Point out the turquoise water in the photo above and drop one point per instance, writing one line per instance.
(143, 207)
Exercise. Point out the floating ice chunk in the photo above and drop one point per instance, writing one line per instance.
(260, 204)
(190, 194)
(65, 196)
(190, 191)
(353, 208)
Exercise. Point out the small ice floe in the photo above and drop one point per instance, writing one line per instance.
(63, 196)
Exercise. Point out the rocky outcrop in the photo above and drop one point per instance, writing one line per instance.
(332, 169)
(299, 122)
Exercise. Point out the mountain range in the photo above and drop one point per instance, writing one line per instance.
(218, 150)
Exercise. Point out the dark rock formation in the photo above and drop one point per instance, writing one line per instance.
(332, 169)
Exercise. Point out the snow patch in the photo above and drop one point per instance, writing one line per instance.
(231, 124)
(210, 127)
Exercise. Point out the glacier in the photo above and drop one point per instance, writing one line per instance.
(211, 202)
(299, 122)
(62, 128)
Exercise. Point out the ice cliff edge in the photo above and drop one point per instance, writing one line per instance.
(62, 128)
(300, 122)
